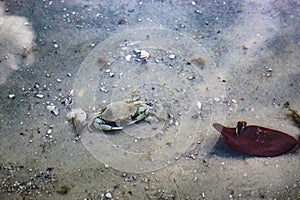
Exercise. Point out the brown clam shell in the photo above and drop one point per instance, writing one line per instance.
(258, 141)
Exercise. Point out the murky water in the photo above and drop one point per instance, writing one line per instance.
(218, 61)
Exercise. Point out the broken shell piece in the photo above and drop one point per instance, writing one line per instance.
(78, 117)
(144, 54)
(40, 96)
(11, 96)
(128, 58)
(141, 54)
(49, 131)
(55, 111)
(50, 107)
(172, 56)
(199, 105)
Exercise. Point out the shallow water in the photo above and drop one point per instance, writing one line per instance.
(218, 61)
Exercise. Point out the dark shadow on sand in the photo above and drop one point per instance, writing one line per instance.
(222, 149)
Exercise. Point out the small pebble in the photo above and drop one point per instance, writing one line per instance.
(217, 99)
(51, 107)
(191, 77)
(40, 96)
(49, 131)
(56, 111)
(245, 47)
(55, 46)
(11, 96)
(144, 54)
(172, 56)
(128, 58)
(199, 105)
(108, 195)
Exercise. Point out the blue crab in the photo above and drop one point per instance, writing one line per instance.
(120, 113)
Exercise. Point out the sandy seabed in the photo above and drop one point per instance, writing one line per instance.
(216, 61)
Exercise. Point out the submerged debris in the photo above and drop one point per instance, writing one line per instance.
(11, 96)
(128, 58)
(26, 181)
(172, 56)
(78, 117)
(293, 114)
(141, 55)
(64, 190)
(199, 62)
(40, 96)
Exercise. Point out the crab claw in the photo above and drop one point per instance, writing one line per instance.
(98, 123)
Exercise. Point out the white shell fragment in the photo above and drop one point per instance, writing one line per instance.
(108, 195)
(40, 96)
(199, 105)
(49, 131)
(141, 54)
(128, 58)
(50, 107)
(172, 56)
(11, 96)
(217, 99)
(144, 54)
(78, 117)
(53, 109)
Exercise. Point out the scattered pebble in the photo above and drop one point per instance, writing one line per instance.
(199, 105)
(245, 47)
(56, 111)
(49, 131)
(128, 58)
(217, 99)
(11, 96)
(51, 107)
(103, 89)
(144, 54)
(141, 54)
(191, 77)
(172, 56)
(233, 101)
(40, 96)
(108, 195)
(269, 69)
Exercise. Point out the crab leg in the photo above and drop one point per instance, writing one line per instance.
(105, 127)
